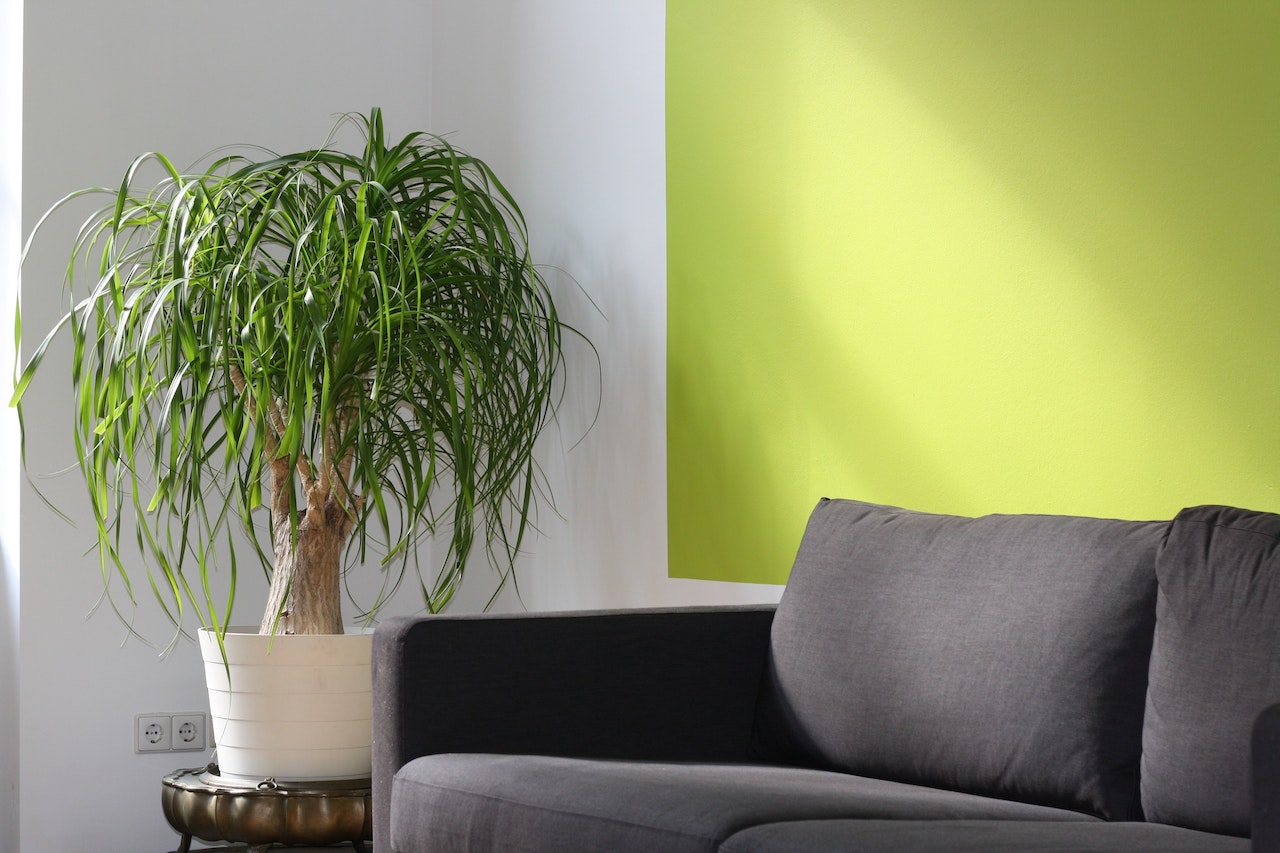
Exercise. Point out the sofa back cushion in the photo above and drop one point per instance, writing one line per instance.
(1214, 667)
(1003, 655)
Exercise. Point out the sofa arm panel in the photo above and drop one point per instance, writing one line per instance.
(1265, 758)
(672, 684)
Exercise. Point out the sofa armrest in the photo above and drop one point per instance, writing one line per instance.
(673, 684)
(1265, 758)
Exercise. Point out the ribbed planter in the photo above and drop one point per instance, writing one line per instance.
(296, 707)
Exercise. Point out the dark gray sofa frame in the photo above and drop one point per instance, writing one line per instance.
(678, 684)
(675, 685)
(1033, 637)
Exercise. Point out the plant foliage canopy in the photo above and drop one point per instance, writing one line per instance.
(354, 346)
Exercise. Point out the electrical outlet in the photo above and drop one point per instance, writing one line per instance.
(183, 732)
(188, 732)
(151, 732)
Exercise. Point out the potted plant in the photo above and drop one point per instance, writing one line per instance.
(341, 353)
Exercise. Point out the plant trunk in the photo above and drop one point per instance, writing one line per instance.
(306, 583)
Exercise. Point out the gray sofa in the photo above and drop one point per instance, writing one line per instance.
(927, 682)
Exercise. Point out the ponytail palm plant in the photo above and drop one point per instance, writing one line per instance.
(334, 350)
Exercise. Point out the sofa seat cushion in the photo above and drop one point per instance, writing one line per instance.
(1003, 655)
(976, 836)
(499, 802)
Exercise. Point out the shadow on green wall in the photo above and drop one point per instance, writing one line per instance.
(967, 257)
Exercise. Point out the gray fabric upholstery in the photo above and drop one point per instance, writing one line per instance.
(448, 803)
(1214, 665)
(947, 836)
(1003, 655)
(675, 684)
(935, 682)
(1264, 827)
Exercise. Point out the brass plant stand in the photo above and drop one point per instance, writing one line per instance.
(198, 802)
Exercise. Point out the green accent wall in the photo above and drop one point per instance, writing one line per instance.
(967, 256)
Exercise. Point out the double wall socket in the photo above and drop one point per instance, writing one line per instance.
(158, 732)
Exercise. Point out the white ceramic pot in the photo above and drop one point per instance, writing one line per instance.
(296, 707)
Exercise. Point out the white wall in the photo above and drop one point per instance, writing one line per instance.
(10, 246)
(563, 97)
(103, 82)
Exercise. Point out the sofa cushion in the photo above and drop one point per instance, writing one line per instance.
(451, 802)
(1003, 655)
(1214, 667)
(975, 836)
